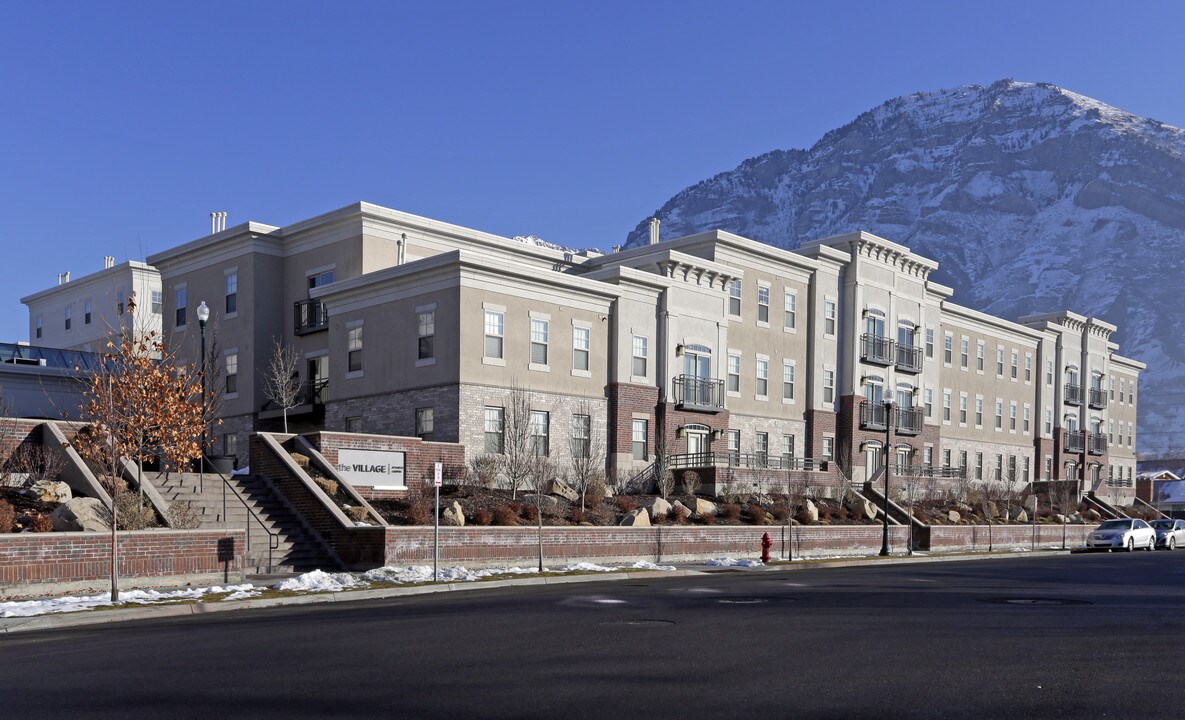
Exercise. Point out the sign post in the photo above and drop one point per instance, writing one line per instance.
(438, 479)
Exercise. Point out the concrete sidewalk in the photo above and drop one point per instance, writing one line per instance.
(149, 612)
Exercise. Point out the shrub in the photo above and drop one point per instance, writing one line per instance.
(691, 483)
(596, 489)
(756, 514)
(41, 523)
(184, 516)
(7, 516)
(329, 486)
(483, 470)
(357, 513)
(132, 514)
(824, 512)
(505, 515)
(531, 513)
(781, 512)
(420, 503)
(658, 520)
(730, 511)
(625, 504)
(679, 514)
(482, 517)
(708, 519)
(577, 516)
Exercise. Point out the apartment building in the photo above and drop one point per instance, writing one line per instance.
(713, 349)
(79, 314)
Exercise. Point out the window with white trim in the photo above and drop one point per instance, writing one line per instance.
(948, 349)
(494, 327)
(354, 349)
(763, 303)
(734, 298)
(638, 438)
(1028, 368)
(787, 381)
(179, 320)
(540, 432)
(962, 408)
(829, 317)
(964, 351)
(946, 395)
(540, 329)
(424, 423)
(1015, 364)
(999, 414)
(581, 436)
(762, 377)
(790, 310)
(1012, 417)
(581, 345)
(734, 373)
(978, 412)
(232, 372)
(979, 355)
(929, 402)
(1025, 419)
(999, 362)
(494, 428)
(232, 293)
(641, 353)
(930, 342)
(828, 386)
(426, 343)
(69, 316)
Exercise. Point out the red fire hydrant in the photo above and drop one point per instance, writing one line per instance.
(766, 544)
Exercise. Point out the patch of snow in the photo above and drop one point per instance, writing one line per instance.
(318, 581)
(732, 562)
(29, 608)
(246, 470)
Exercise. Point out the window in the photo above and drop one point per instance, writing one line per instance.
(1048, 422)
(639, 439)
(230, 444)
(928, 456)
(1014, 365)
(539, 430)
(158, 303)
(1049, 372)
(1048, 467)
(69, 313)
(1012, 417)
(354, 424)
(232, 293)
(929, 342)
(979, 355)
(1025, 419)
(929, 402)
(1025, 464)
(999, 362)
(999, 467)
(493, 427)
(119, 301)
(734, 445)
(1110, 431)
(978, 412)
(1122, 389)
(946, 458)
(424, 423)
(354, 349)
(828, 317)
(86, 308)
(1131, 434)
(581, 436)
(581, 342)
(493, 327)
(948, 349)
(787, 381)
(762, 448)
(181, 301)
(1112, 388)
(734, 298)
(641, 352)
(232, 373)
(37, 328)
(734, 373)
(979, 466)
(763, 303)
(828, 447)
(426, 322)
(1131, 393)
(1028, 368)
(762, 378)
(999, 414)
(962, 408)
(319, 279)
(946, 405)
(539, 332)
(787, 450)
(828, 386)
(790, 313)
(964, 349)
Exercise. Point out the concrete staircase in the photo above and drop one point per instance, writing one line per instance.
(252, 504)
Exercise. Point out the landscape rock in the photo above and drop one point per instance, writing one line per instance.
(1076, 519)
(1021, 517)
(1059, 519)
(676, 505)
(992, 509)
(659, 507)
(453, 515)
(545, 502)
(862, 508)
(964, 508)
(1031, 504)
(564, 490)
(1092, 514)
(704, 507)
(637, 518)
(51, 491)
(809, 512)
(953, 517)
(81, 515)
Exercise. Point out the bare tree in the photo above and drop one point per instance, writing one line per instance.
(281, 378)
(664, 478)
(1064, 493)
(37, 463)
(587, 445)
(843, 470)
(518, 455)
(691, 484)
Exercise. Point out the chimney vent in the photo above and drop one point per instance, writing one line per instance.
(217, 222)
(108, 262)
(616, 248)
(654, 223)
(63, 278)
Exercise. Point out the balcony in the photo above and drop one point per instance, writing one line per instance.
(1098, 398)
(310, 400)
(876, 349)
(1075, 441)
(309, 316)
(1097, 444)
(872, 416)
(928, 471)
(1073, 394)
(699, 394)
(744, 460)
(909, 421)
(909, 359)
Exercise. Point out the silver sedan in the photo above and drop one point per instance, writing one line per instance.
(1170, 534)
(1125, 534)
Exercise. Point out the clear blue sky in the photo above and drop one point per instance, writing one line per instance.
(123, 124)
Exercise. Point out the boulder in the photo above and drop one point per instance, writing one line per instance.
(1059, 519)
(860, 507)
(704, 507)
(51, 491)
(1076, 519)
(659, 507)
(637, 518)
(1031, 504)
(453, 515)
(964, 508)
(809, 512)
(1021, 516)
(564, 490)
(545, 502)
(953, 517)
(81, 515)
(686, 510)
(991, 509)
(1092, 514)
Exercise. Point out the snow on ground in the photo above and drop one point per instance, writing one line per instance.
(26, 608)
(732, 562)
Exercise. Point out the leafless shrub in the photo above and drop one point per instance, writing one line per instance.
(505, 515)
(691, 483)
(357, 513)
(37, 463)
(420, 498)
(329, 486)
(7, 516)
(184, 516)
(665, 482)
(133, 514)
(40, 523)
(483, 471)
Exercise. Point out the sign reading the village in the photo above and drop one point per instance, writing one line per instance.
(381, 469)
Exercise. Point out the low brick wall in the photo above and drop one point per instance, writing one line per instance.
(48, 563)
(948, 538)
(478, 546)
(419, 462)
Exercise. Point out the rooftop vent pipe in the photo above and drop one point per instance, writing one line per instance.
(217, 222)
(108, 262)
(654, 223)
(63, 278)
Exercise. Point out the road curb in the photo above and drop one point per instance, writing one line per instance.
(149, 612)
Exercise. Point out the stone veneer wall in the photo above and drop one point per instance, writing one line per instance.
(395, 413)
(40, 563)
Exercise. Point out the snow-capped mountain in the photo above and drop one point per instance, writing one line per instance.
(1031, 197)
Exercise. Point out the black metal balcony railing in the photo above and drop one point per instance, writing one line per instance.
(928, 471)
(309, 316)
(872, 415)
(876, 349)
(1097, 443)
(909, 420)
(699, 393)
(909, 358)
(1098, 398)
(1075, 441)
(1073, 394)
(744, 460)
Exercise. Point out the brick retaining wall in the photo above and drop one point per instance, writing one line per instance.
(43, 563)
(947, 538)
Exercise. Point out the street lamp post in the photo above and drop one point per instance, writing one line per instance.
(888, 455)
(203, 314)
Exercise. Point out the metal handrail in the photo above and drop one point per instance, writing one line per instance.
(1073, 394)
(273, 542)
(1098, 398)
(750, 460)
(877, 349)
(309, 316)
(1075, 440)
(695, 391)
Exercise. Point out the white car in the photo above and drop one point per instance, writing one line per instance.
(1170, 534)
(1126, 534)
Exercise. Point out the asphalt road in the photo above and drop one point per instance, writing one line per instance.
(1081, 636)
